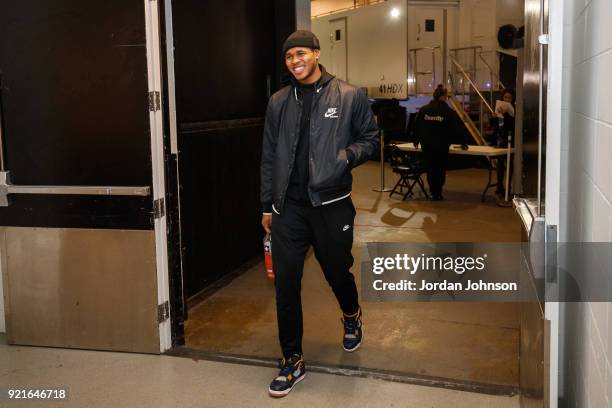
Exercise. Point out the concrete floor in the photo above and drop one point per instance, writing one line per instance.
(98, 379)
(471, 342)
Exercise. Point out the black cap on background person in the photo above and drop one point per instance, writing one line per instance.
(441, 93)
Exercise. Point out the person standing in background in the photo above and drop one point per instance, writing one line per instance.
(436, 126)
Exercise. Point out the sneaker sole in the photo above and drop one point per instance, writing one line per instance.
(280, 394)
(358, 344)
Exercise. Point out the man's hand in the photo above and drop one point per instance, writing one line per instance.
(415, 144)
(266, 223)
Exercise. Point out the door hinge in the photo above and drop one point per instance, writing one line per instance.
(159, 208)
(163, 312)
(154, 101)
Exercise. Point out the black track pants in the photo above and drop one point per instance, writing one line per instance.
(436, 159)
(329, 229)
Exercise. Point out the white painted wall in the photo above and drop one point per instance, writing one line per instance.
(376, 45)
(452, 27)
(510, 12)
(451, 36)
(469, 23)
(477, 26)
(478, 22)
(326, 6)
(586, 191)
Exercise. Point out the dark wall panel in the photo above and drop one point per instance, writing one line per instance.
(220, 201)
(224, 51)
(285, 24)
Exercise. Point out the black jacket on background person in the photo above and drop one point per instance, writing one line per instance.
(342, 134)
(437, 126)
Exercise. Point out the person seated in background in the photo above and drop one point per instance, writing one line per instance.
(436, 127)
(505, 111)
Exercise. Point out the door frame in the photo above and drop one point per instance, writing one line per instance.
(554, 123)
(555, 54)
(413, 34)
(554, 126)
(177, 301)
(346, 65)
(154, 78)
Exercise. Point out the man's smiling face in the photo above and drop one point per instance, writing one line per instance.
(302, 62)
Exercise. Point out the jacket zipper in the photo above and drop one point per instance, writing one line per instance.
(294, 147)
(299, 119)
(315, 100)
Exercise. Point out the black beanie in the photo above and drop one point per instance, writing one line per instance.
(301, 38)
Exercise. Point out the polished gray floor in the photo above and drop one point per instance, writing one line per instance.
(106, 379)
(466, 342)
(98, 379)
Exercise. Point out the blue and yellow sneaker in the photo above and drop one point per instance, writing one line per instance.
(292, 371)
(353, 331)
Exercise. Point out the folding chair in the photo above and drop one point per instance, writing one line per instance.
(409, 169)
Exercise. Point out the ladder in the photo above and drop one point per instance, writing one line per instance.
(459, 87)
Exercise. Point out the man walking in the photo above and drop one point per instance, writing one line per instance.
(316, 130)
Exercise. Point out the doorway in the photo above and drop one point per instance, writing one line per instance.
(338, 58)
(423, 343)
(429, 32)
(229, 303)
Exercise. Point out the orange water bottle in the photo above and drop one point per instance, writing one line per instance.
(267, 243)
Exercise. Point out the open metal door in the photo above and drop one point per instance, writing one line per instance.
(429, 32)
(83, 234)
(338, 55)
(540, 107)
